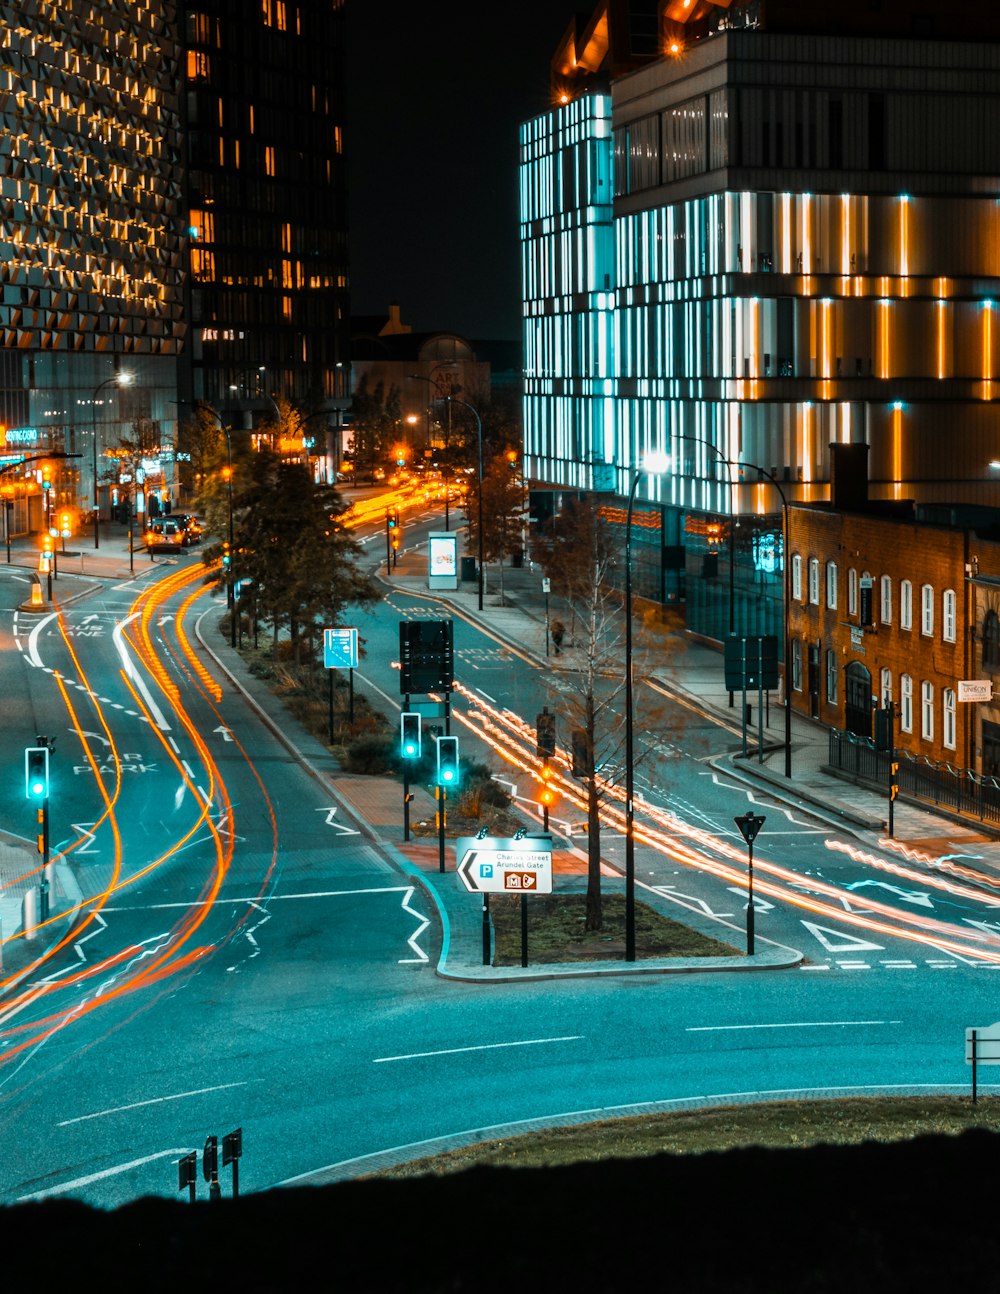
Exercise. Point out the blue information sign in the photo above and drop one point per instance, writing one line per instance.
(340, 648)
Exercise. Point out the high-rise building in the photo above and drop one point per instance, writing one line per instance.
(91, 237)
(771, 228)
(267, 210)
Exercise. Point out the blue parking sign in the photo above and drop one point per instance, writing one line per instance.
(340, 648)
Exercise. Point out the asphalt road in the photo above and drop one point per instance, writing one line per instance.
(251, 963)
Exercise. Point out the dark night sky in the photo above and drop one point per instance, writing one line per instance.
(437, 91)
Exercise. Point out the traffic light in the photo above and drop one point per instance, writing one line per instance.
(447, 761)
(227, 555)
(893, 780)
(391, 520)
(36, 773)
(546, 796)
(545, 734)
(583, 756)
(409, 735)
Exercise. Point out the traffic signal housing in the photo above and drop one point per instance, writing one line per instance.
(545, 734)
(894, 780)
(36, 774)
(447, 761)
(410, 736)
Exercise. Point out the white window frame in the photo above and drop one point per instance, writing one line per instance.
(927, 610)
(796, 648)
(885, 610)
(852, 592)
(832, 677)
(905, 604)
(885, 686)
(831, 585)
(906, 703)
(950, 726)
(814, 581)
(949, 615)
(927, 710)
(797, 577)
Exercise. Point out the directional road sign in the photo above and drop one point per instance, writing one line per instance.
(340, 648)
(498, 866)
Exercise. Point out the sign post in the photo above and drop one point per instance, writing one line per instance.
(752, 662)
(493, 865)
(982, 1047)
(340, 651)
(749, 825)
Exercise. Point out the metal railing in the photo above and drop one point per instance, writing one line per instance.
(921, 779)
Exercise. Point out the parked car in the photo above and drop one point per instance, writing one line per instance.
(167, 533)
(189, 523)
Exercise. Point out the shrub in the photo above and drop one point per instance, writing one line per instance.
(372, 752)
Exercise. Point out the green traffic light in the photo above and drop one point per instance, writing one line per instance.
(37, 788)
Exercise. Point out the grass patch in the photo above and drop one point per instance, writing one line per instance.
(556, 932)
(780, 1124)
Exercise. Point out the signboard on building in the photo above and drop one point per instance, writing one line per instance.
(975, 689)
(498, 866)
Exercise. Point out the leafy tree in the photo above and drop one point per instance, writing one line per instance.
(376, 415)
(201, 450)
(291, 545)
(503, 512)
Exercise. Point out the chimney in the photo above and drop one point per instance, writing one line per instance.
(849, 477)
(395, 326)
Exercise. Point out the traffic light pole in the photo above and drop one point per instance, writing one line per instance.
(442, 795)
(893, 765)
(43, 822)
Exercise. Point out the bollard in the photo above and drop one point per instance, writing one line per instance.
(29, 913)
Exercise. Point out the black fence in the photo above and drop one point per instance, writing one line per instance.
(920, 779)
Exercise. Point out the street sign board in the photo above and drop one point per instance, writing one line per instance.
(975, 689)
(442, 552)
(751, 662)
(749, 825)
(504, 866)
(987, 1045)
(340, 648)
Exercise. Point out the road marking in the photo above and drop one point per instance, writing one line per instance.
(33, 655)
(132, 673)
(491, 699)
(412, 941)
(791, 1024)
(157, 1100)
(331, 813)
(254, 900)
(102, 1176)
(845, 943)
(489, 1046)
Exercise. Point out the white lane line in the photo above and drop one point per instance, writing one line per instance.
(108, 1172)
(132, 673)
(491, 699)
(791, 1024)
(141, 1105)
(271, 898)
(489, 1046)
(33, 655)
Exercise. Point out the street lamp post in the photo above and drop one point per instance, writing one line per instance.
(117, 379)
(479, 440)
(653, 464)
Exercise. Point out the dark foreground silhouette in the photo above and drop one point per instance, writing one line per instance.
(913, 1216)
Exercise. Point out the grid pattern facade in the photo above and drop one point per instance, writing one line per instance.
(267, 201)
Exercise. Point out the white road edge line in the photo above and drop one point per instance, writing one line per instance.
(792, 1024)
(489, 1046)
(108, 1172)
(156, 1100)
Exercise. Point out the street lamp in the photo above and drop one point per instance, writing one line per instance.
(117, 379)
(230, 590)
(479, 439)
(654, 464)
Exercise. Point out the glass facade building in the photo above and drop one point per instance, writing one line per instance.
(91, 233)
(803, 248)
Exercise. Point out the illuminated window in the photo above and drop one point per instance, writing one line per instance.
(948, 615)
(198, 65)
(852, 592)
(269, 159)
(906, 703)
(831, 585)
(906, 605)
(886, 685)
(948, 701)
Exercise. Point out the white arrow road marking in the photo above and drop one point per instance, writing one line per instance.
(86, 620)
(921, 899)
(179, 796)
(132, 673)
(990, 927)
(226, 734)
(97, 736)
(107, 1172)
(412, 941)
(760, 905)
(671, 891)
(331, 811)
(166, 619)
(845, 943)
(84, 829)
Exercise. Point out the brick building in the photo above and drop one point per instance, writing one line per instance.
(879, 608)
